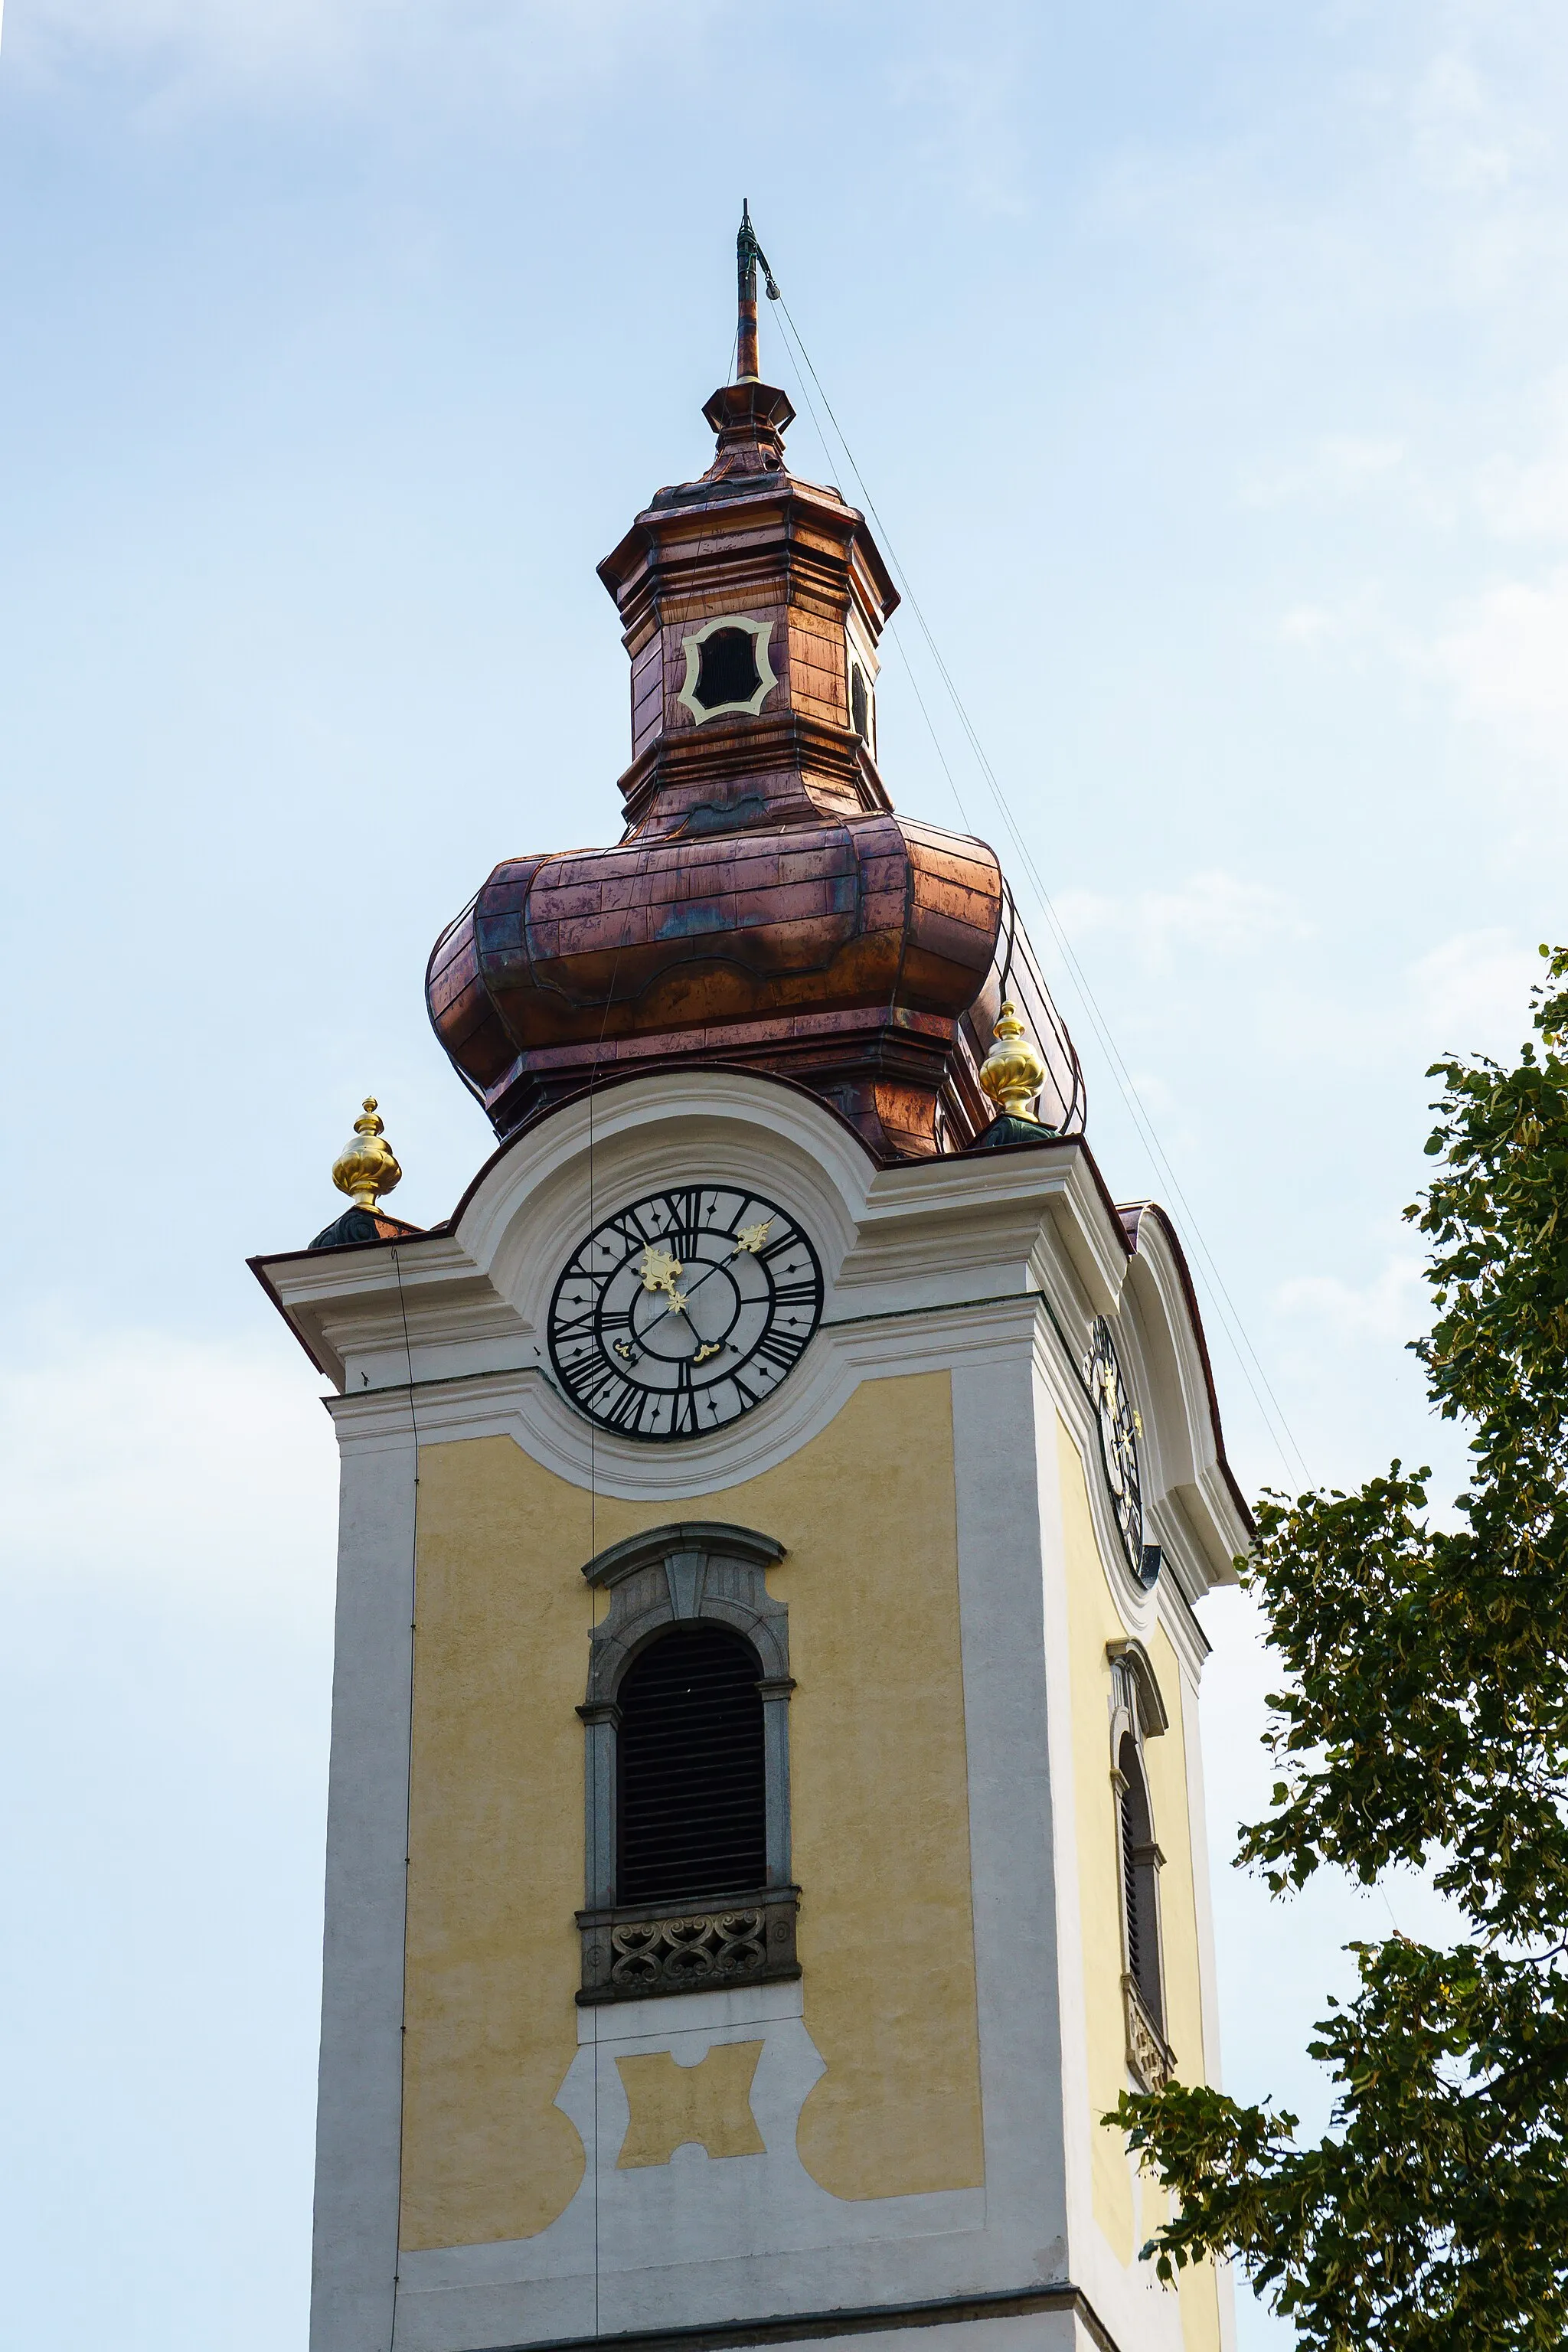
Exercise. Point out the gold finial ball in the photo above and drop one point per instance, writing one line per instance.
(1013, 1071)
(366, 1168)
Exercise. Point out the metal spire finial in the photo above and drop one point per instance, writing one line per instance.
(746, 368)
(748, 254)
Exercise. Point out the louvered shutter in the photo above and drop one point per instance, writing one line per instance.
(693, 1798)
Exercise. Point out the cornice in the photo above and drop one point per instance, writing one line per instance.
(927, 1262)
(1133, 1217)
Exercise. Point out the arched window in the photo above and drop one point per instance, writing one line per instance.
(859, 703)
(727, 668)
(691, 1816)
(1137, 1714)
(1140, 1887)
(687, 1781)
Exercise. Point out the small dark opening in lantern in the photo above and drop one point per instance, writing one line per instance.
(727, 668)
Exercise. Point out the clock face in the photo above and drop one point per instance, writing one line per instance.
(680, 1313)
(1119, 1431)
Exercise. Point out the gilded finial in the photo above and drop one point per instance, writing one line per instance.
(1013, 1071)
(366, 1168)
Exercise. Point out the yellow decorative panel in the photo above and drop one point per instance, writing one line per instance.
(1200, 2308)
(495, 1844)
(1093, 1621)
(880, 1785)
(709, 2104)
(1166, 1769)
(879, 1809)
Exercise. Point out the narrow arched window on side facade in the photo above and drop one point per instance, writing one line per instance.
(1140, 1883)
(692, 1814)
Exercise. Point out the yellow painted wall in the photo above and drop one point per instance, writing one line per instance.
(879, 1811)
(495, 1846)
(880, 1780)
(1166, 1768)
(1093, 1621)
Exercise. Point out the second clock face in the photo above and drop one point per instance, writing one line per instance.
(681, 1312)
(1118, 1430)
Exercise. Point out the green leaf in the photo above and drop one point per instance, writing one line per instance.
(1422, 1721)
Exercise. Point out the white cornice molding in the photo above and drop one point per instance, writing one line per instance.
(1168, 1351)
(1006, 1202)
(525, 1404)
(374, 1422)
(421, 1308)
(924, 1264)
(629, 1128)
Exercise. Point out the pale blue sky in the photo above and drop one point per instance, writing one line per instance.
(1208, 364)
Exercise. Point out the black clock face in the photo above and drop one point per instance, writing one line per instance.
(1119, 1431)
(680, 1313)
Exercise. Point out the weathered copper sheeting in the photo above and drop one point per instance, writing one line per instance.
(767, 910)
(655, 941)
(790, 553)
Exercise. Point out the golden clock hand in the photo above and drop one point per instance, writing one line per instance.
(750, 1238)
(660, 1268)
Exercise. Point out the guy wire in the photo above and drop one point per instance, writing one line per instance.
(408, 1799)
(1269, 1408)
(827, 458)
(621, 943)
(633, 909)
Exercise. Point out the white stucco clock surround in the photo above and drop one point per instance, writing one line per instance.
(943, 1258)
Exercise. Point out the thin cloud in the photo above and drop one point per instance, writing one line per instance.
(1339, 467)
(145, 1461)
(1471, 994)
(1393, 1305)
(1506, 659)
(285, 54)
(1467, 137)
(1212, 913)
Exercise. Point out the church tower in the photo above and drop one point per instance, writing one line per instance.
(766, 1826)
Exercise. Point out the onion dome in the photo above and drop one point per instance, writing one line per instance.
(766, 908)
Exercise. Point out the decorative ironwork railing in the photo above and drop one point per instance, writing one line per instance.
(639, 1948)
(1149, 2054)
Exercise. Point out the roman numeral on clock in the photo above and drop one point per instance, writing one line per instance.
(779, 1348)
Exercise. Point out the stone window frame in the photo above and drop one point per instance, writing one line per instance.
(1138, 1714)
(692, 645)
(685, 1572)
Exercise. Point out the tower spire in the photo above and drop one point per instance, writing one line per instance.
(748, 415)
(747, 255)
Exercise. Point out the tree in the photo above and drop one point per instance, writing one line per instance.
(1424, 1720)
